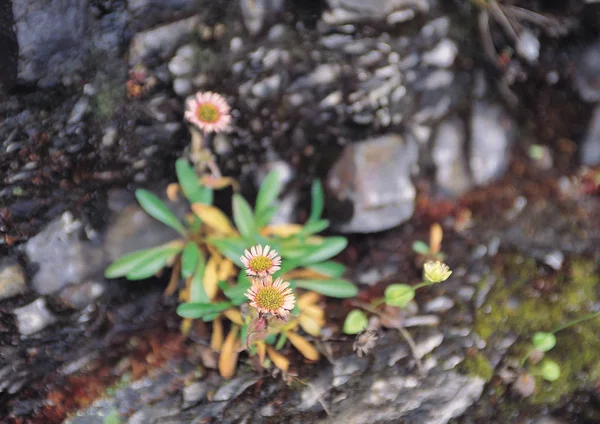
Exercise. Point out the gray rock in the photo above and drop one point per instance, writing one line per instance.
(590, 146)
(79, 110)
(12, 279)
(372, 179)
(183, 61)
(133, 229)
(442, 55)
(8, 46)
(528, 46)
(425, 346)
(34, 317)
(405, 399)
(449, 154)
(439, 304)
(81, 295)
(194, 393)
(148, 13)
(345, 368)
(234, 388)
(161, 41)
(349, 11)
(587, 74)
(257, 13)
(492, 133)
(110, 136)
(62, 257)
(52, 38)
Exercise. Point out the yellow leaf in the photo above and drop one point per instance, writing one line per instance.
(310, 325)
(172, 191)
(313, 311)
(226, 270)
(213, 217)
(281, 230)
(435, 238)
(185, 326)
(278, 359)
(304, 274)
(261, 351)
(234, 316)
(211, 280)
(216, 340)
(304, 346)
(308, 298)
(229, 354)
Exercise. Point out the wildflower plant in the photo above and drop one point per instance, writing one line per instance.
(396, 297)
(218, 265)
(431, 251)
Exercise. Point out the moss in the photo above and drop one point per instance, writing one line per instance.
(108, 100)
(515, 307)
(477, 365)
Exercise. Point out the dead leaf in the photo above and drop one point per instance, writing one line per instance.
(261, 351)
(308, 298)
(174, 280)
(229, 354)
(214, 218)
(185, 326)
(278, 359)
(281, 230)
(234, 315)
(304, 346)
(211, 280)
(304, 274)
(172, 191)
(226, 270)
(310, 325)
(216, 340)
(435, 238)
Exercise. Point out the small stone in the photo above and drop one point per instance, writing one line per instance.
(257, 13)
(555, 259)
(440, 304)
(34, 317)
(12, 279)
(528, 46)
(448, 155)
(81, 295)
(587, 74)
(372, 179)
(183, 61)
(182, 87)
(400, 16)
(427, 345)
(524, 385)
(492, 133)
(590, 146)
(194, 393)
(267, 87)
(234, 388)
(442, 55)
(345, 368)
(79, 110)
(110, 136)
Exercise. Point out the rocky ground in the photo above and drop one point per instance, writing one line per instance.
(394, 104)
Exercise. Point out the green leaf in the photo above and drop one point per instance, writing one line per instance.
(153, 263)
(191, 187)
(189, 259)
(236, 293)
(197, 292)
(355, 322)
(544, 341)
(271, 339)
(231, 248)
(317, 201)
(129, 262)
(314, 227)
(549, 370)
(399, 295)
(243, 217)
(295, 252)
(158, 210)
(200, 310)
(330, 247)
(281, 341)
(244, 333)
(210, 317)
(329, 268)
(265, 216)
(420, 247)
(331, 288)
(268, 192)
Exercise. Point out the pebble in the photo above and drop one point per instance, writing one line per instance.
(439, 304)
(12, 279)
(590, 146)
(81, 295)
(81, 108)
(423, 347)
(528, 46)
(110, 136)
(194, 393)
(555, 259)
(442, 55)
(234, 388)
(183, 61)
(33, 317)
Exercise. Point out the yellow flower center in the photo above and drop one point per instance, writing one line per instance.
(260, 263)
(207, 112)
(269, 298)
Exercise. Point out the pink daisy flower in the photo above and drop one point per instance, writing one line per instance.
(261, 262)
(268, 297)
(208, 111)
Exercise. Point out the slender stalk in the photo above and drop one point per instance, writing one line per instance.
(576, 321)
(424, 284)
(413, 348)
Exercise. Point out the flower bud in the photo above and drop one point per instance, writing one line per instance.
(436, 272)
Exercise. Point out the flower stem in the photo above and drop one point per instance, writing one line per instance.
(575, 321)
(424, 284)
(413, 348)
